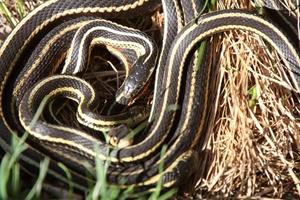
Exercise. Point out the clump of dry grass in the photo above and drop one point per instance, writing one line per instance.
(254, 146)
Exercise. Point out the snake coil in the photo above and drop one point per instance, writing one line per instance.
(35, 70)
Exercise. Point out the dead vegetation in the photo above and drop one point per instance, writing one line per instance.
(254, 146)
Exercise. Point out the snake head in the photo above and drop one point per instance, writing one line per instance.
(133, 84)
(127, 91)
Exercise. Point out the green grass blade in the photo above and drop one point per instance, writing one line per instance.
(20, 8)
(252, 92)
(114, 192)
(16, 182)
(126, 194)
(37, 188)
(8, 168)
(137, 130)
(156, 193)
(18, 146)
(69, 177)
(101, 187)
(7, 14)
(212, 4)
(4, 173)
(200, 54)
(168, 195)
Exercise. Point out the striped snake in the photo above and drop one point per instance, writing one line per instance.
(46, 54)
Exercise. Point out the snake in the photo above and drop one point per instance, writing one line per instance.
(43, 59)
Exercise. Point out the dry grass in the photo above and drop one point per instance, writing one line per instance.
(254, 148)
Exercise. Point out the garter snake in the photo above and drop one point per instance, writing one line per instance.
(180, 129)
